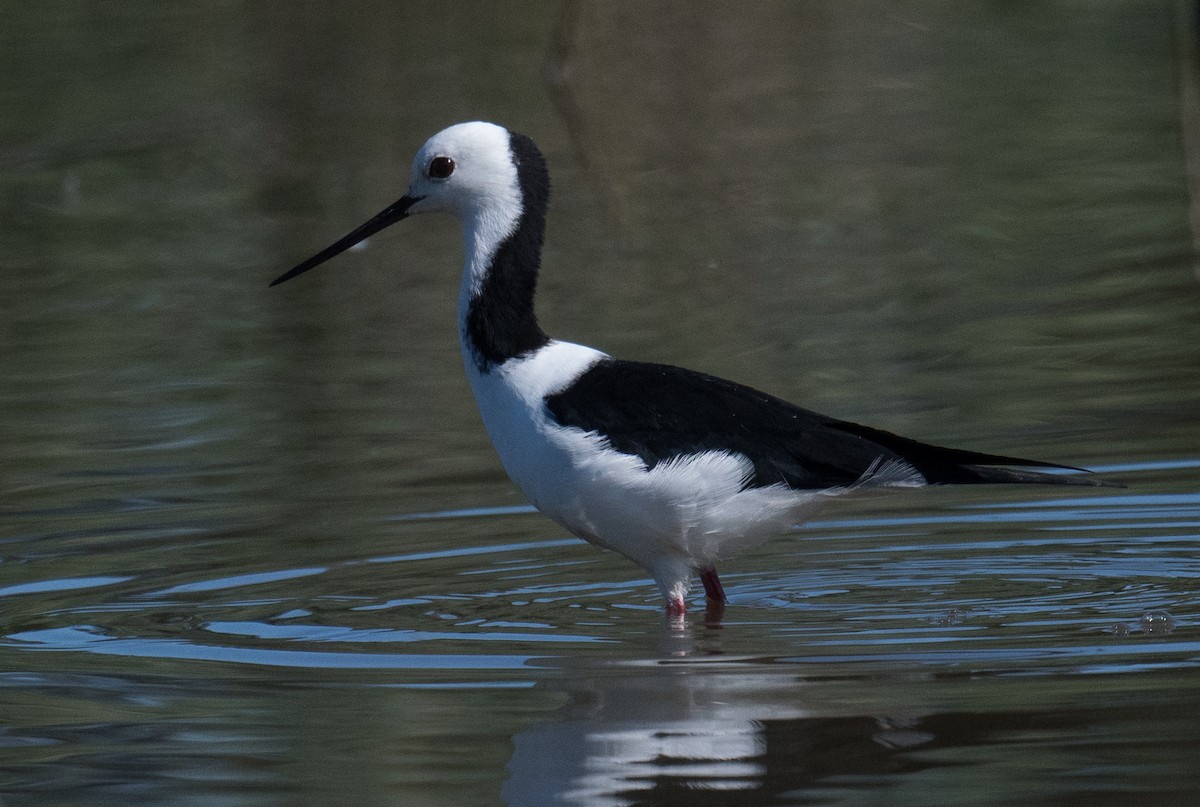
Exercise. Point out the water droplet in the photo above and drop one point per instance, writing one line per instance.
(1157, 622)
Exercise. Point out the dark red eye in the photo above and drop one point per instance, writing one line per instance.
(441, 167)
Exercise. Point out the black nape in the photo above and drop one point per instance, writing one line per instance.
(501, 323)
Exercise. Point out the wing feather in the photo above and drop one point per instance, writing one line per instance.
(659, 412)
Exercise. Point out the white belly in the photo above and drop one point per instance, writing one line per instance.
(683, 514)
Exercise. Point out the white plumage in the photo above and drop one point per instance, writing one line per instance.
(684, 514)
(674, 469)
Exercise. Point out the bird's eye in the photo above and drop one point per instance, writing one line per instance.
(441, 167)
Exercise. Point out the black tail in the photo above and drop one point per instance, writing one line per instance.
(954, 466)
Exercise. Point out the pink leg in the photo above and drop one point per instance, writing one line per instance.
(712, 584)
(676, 606)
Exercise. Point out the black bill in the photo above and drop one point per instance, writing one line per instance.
(389, 215)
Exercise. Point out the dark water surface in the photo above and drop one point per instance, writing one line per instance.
(256, 550)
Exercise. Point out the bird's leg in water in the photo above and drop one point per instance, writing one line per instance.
(676, 606)
(712, 585)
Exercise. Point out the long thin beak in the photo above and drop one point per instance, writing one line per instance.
(389, 215)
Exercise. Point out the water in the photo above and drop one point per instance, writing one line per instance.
(255, 548)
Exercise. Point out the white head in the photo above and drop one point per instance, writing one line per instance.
(470, 170)
(463, 169)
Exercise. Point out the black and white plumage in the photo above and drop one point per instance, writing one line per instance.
(674, 469)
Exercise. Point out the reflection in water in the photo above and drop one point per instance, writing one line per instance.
(727, 731)
(624, 734)
(913, 660)
(654, 731)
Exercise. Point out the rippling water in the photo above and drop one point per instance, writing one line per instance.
(255, 548)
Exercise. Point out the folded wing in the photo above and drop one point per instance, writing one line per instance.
(659, 412)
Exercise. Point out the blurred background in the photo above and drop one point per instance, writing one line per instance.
(255, 547)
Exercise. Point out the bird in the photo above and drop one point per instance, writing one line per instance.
(675, 469)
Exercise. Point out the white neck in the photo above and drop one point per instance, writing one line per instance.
(484, 230)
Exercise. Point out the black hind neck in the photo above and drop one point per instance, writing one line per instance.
(500, 323)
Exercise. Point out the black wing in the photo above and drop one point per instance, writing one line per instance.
(658, 412)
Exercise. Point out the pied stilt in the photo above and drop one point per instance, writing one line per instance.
(674, 469)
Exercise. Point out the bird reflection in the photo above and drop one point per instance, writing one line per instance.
(661, 731)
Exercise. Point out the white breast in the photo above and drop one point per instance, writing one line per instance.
(681, 515)
(511, 399)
